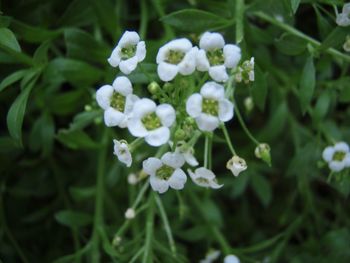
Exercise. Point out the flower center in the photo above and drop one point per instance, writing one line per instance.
(216, 57)
(339, 156)
(210, 106)
(128, 52)
(202, 180)
(164, 172)
(151, 121)
(174, 57)
(118, 101)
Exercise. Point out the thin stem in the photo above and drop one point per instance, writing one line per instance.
(135, 144)
(144, 19)
(210, 146)
(140, 195)
(137, 255)
(228, 139)
(148, 253)
(166, 225)
(240, 119)
(330, 176)
(206, 151)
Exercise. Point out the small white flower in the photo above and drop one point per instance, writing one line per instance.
(236, 165)
(204, 177)
(151, 121)
(130, 213)
(215, 57)
(121, 150)
(343, 19)
(245, 72)
(166, 172)
(176, 56)
(187, 153)
(211, 257)
(231, 259)
(209, 107)
(129, 51)
(132, 179)
(117, 101)
(337, 156)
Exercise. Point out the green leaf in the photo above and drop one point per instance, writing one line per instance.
(307, 84)
(16, 112)
(262, 188)
(80, 193)
(84, 119)
(7, 144)
(204, 21)
(72, 218)
(8, 39)
(68, 102)
(78, 14)
(76, 140)
(240, 184)
(335, 39)
(290, 45)
(259, 88)
(239, 20)
(12, 78)
(40, 55)
(322, 106)
(294, 4)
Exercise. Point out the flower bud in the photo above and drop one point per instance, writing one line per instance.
(346, 45)
(168, 87)
(262, 151)
(236, 165)
(116, 241)
(180, 134)
(249, 104)
(132, 179)
(153, 87)
(130, 213)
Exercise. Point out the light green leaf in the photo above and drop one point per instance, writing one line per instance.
(262, 188)
(12, 78)
(82, 193)
(307, 84)
(294, 4)
(73, 218)
(239, 20)
(335, 39)
(8, 39)
(290, 45)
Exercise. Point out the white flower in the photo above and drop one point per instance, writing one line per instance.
(231, 259)
(236, 165)
(204, 177)
(187, 153)
(343, 19)
(246, 71)
(337, 156)
(176, 56)
(132, 179)
(121, 150)
(130, 213)
(214, 56)
(117, 102)
(166, 172)
(211, 257)
(151, 121)
(129, 51)
(209, 107)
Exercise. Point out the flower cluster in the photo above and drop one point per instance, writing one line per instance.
(189, 105)
(337, 156)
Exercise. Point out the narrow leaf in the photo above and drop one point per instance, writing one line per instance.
(307, 84)
(8, 39)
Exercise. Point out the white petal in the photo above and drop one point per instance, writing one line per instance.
(130, 100)
(232, 54)
(347, 160)
(158, 136)
(225, 110)
(181, 44)
(211, 41)
(143, 107)
(188, 63)
(205, 173)
(336, 166)
(190, 159)
(151, 165)
(194, 105)
(207, 122)
(198, 180)
(136, 127)
(129, 38)
(159, 185)
(129, 65)
(166, 114)
(166, 71)
(122, 85)
(113, 117)
(103, 96)
(202, 61)
(121, 150)
(218, 73)
(231, 259)
(214, 184)
(328, 153)
(341, 147)
(178, 179)
(343, 20)
(213, 90)
(114, 59)
(174, 160)
(141, 51)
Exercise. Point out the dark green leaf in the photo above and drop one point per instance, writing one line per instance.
(76, 140)
(72, 218)
(12, 78)
(290, 45)
(80, 193)
(307, 84)
(262, 188)
(259, 88)
(294, 4)
(335, 39)
(8, 39)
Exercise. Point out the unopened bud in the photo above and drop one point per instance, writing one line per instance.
(132, 179)
(180, 134)
(153, 87)
(116, 241)
(130, 213)
(87, 107)
(262, 151)
(168, 87)
(249, 104)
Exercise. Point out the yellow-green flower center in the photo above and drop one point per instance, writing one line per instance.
(216, 57)
(339, 156)
(151, 121)
(174, 57)
(164, 172)
(210, 106)
(202, 180)
(118, 101)
(128, 52)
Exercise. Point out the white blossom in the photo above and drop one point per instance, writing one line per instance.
(117, 101)
(231, 259)
(236, 165)
(337, 156)
(130, 213)
(176, 56)
(151, 121)
(132, 179)
(187, 152)
(245, 72)
(166, 172)
(211, 257)
(215, 57)
(129, 51)
(204, 177)
(121, 150)
(343, 18)
(209, 107)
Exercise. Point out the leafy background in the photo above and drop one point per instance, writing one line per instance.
(63, 193)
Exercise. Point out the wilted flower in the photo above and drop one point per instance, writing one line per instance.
(337, 156)
(129, 51)
(211, 257)
(166, 172)
(245, 72)
(209, 107)
(204, 177)
(262, 151)
(151, 121)
(214, 56)
(121, 150)
(236, 165)
(130, 213)
(231, 259)
(343, 18)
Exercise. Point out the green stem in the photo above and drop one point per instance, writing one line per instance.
(144, 19)
(148, 253)
(206, 151)
(228, 139)
(166, 225)
(301, 35)
(160, 12)
(135, 144)
(239, 20)
(137, 255)
(240, 119)
(330, 176)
